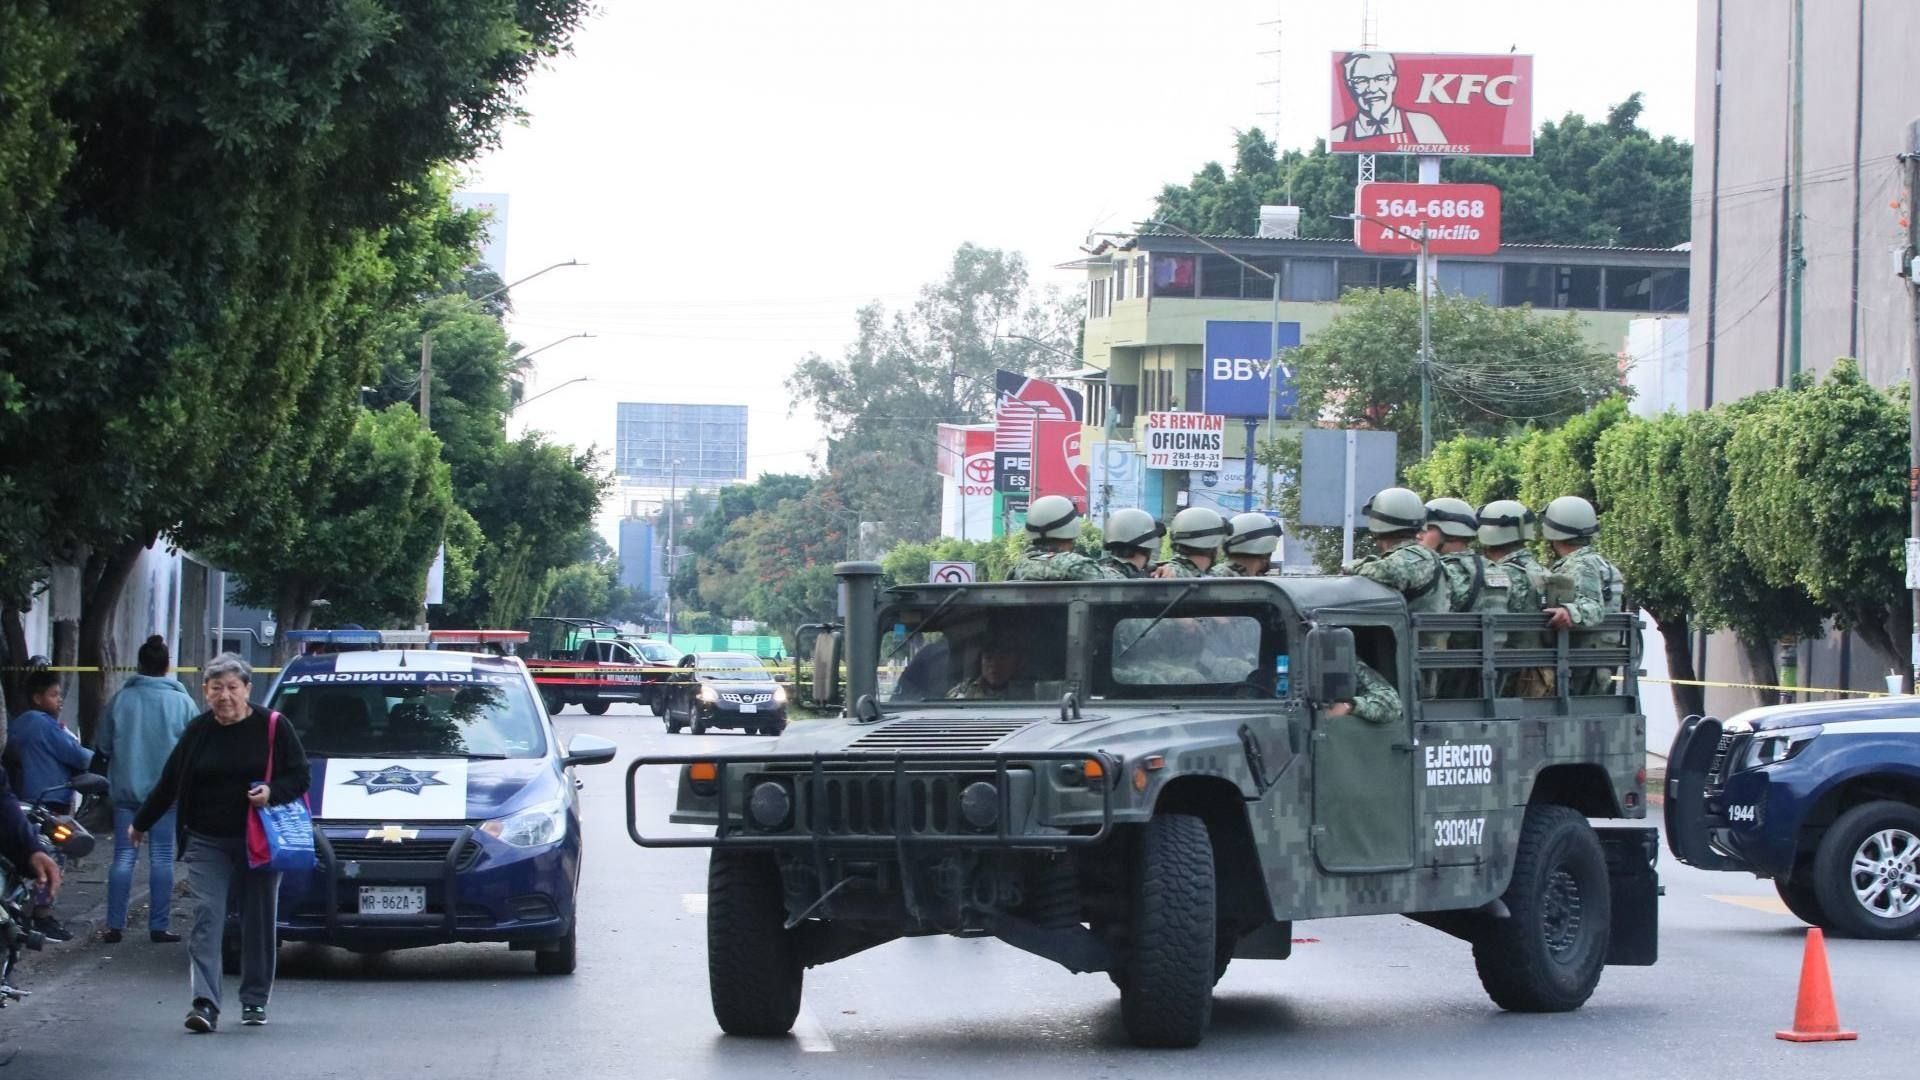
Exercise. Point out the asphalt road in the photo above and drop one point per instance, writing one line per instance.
(1378, 996)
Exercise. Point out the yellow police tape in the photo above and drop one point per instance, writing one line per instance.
(69, 670)
(1759, 686)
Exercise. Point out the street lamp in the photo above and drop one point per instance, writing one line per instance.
(1426, 342)
(520, 363)
(426, 340)
(673, 494)
(1273, 353)
(549, 390)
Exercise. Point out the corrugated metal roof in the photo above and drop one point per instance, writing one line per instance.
(1282, 242)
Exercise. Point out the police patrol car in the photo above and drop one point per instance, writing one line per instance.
(1822, 798)
(444, 806)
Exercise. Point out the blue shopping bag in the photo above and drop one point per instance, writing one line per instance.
(280, 837)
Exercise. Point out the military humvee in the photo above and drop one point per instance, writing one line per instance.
(1149, 779)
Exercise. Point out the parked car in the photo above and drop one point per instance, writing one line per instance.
(725, 690)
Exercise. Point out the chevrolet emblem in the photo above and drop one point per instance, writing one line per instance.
(392, 834)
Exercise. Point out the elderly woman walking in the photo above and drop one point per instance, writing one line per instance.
(215, 778)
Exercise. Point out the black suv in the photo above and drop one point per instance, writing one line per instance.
(725, 690)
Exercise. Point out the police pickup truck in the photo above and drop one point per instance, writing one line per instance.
(1822, 798)
(1152, 778)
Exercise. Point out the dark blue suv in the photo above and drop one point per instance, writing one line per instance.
(445, 808)
(1824, 799)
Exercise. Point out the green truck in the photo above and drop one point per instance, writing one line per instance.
(1153, 778)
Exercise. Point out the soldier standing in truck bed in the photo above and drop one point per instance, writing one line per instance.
(1505, 528)
(1132, 538)
(1195, 535)
(1053, 523)
(1588, 587)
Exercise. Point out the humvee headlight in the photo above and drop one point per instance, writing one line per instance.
(980, 805)
(770, 806)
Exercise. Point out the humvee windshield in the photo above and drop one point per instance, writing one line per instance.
(995, 652)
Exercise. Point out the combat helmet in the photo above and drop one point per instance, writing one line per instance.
(1131, 527)
(1197, 528)
(1394, 510)
(1253, 534)
(1504, 522)
(1453, 517)
(1569, 517)
(1053, 517)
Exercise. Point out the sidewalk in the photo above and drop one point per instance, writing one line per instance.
(82, 906)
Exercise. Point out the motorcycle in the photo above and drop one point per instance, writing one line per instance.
(65, 836)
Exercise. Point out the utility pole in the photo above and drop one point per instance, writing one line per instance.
(1796, 244)
(1911, 159)
(1425, 284)
(426, 380)
(673, 493)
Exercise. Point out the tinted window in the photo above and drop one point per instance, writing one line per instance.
(1185, 652)
(1173, 275)
(1220, 276)
(1308, 279)
(659, 654)
(973, 653)
(730, 662)
(1480, 281)
(1358, 274)
(491, 715)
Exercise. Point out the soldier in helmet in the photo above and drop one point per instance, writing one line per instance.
(1251, 541)
(1133, 536)
(1195, 535)
(1472, 584)
(1584, 587)
(1396, 517)
(1053, 523)
(1505, 528)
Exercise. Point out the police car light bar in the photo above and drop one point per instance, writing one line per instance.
(477, 637)
(342, 640)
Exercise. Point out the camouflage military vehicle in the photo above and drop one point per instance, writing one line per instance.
(1151, 778)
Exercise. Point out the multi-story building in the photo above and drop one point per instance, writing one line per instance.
(708, 443)
(1152, 297)
(1857, 94)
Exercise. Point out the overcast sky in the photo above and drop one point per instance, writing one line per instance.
(743, 174)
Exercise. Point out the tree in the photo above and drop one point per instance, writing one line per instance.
(1561, 461)
(906, 371)
(1492, 367)
(164, 311)
(1818, 494)
(1638, 476)
(1609, 183)
(535, 501)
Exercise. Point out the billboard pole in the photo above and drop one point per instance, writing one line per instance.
(1273, 393)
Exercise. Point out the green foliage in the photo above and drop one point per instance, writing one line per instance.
(532, 504)
(907, 370)
(1478, 469)
(1493, 367)
(1561, 463)
(1817, 486)
(1610, 183)
(909, 563)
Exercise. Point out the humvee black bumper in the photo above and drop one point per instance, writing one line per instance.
(885, 799)
(1697, 765)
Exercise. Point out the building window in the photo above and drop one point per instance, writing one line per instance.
(1173, 275)
(1480, 281)
(1524, 283)
(1582, 286)
(1139, 275)
(1669, 289)
(1119, 282)
(1308, 280)
(1259, 286)
(1359, 274)
(1399, 273)
(1219, 277)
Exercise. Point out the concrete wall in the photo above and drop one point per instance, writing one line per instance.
(1860, 92)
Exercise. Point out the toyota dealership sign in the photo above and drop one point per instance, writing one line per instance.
(1432, 103)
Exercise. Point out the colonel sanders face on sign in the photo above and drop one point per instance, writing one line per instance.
(1372, 79)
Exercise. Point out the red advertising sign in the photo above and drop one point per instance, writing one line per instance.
(1058, 468)
(958, 444)
(1460, 219)
(1432, 103)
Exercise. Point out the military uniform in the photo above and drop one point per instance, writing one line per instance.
(1038, 565)
(1412, 571)
(976, 690)
(1116, 567)
(1182, 567)
(1590, 588)
(1227, 568)
(1473, 585)
(1374, 698)
(1526, 595)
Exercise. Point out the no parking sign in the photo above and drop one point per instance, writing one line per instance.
(950, 573)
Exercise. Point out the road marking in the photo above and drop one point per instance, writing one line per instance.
(809, 1034)
(1772, 905)
(693, 903)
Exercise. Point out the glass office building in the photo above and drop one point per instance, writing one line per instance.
(709, 441)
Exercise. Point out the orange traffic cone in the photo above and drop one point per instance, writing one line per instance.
(1814, 1017)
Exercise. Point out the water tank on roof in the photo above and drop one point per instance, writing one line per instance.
(1280, 222)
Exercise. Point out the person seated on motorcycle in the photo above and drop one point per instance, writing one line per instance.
(21, 847)
(46, 756)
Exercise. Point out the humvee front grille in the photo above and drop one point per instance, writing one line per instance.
(938, 733)
(866, 804)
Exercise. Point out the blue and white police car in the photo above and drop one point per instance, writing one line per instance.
(1824, 799)
(444, 806)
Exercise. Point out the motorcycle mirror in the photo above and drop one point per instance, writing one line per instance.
(89, 784)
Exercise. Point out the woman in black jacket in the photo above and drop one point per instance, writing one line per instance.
(216, 777)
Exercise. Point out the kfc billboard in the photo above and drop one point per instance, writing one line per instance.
(1459, 219)
(1432, 103)
(1058, 467)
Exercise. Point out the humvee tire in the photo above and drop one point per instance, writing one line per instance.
(1547, 955)
(1166, 981)
(1873, 833)
(1801, 899)
(753, 973)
